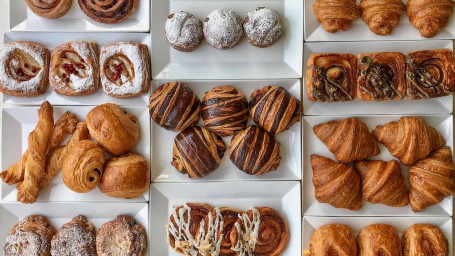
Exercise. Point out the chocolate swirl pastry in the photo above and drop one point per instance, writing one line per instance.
(381, 76)
(262, 27)
(331, 77)
(424, 239)
(224, 110)
(274, 109)
(76, 237)
(254, 151)
(49, 9)
(108, 11)
(223, 29)
(24, 69)
(197, 152)
(30, 236)
(260, 231)
(174, 106)
(430, 73)
(183, 31)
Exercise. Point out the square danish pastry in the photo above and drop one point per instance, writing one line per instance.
(125, 69)
(74, 68)
(24, 69)
(381, 76)
(331, 77)
(430, 74)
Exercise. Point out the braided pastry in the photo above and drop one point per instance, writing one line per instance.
(424, 239)
(429, 16)
(108, 11)
(50, 9)
(382, 16)
(432, 179)
(379, 239)
(336, 15)
(333, 239)
(66, 124)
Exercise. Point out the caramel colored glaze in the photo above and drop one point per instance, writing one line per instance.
(333, 239)
(108, 11)
(379, 239)
(254, 151)
(424, 239)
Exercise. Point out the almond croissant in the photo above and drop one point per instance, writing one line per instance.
(382, 16)
(383, 183)
(429, 16)
(335, 183)
(409, 139)
(335, 15)
(432, 179)
(349, 139)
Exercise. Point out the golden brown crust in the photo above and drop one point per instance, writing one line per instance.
(50, 9)
(382, 182)
(66, 124)
(429, 16)
(24, 69)
(379, 239)
(30, 236)
(381, 76)
(336, 184)
(331, 77)
(76, 237)
(333, 239)
(409, 139)
(123, 236)
(126, 176)
(432, 179)
(336, 15)
(116, 130)
(382, 16)
(424, 239)
(74, 68)
(108, 11)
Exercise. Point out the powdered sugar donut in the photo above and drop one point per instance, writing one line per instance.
(183, 31)
(262, 27)
(223, 29)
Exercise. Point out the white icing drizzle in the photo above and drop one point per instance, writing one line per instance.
(181, 231)
(129, 86)
(247, 239)
(9, 82)
(209, 243)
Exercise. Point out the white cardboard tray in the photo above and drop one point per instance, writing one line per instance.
(284, 197)
(290, 140)
(360, 31)
(443, 123)
(75, 20)
(310, 224)
(18, 122)
(442, 105)
(51, 40)
(281, 60)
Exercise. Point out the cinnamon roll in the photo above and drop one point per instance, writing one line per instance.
(49, 9)
(24, 69)
(74, 69)
(108, 11)
(260, 231)
(424, 239)
(125, 69)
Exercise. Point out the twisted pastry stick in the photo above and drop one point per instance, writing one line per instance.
(66, 124)
(50, 9)
(382, 16)
(15, 173)
(27, 190)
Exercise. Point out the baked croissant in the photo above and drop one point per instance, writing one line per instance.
(335, 183)
(432, 179)
(336, 15)
(379, 239)
(382, 16)
(424, 239)
(383, 183)
(333, 239)
(349, 139)
(409, 139)
(429, 16)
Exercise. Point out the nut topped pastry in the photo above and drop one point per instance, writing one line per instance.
(224, 110)
(262, 27)
(76, 237)
(223, 29)
(24, 69)
(183, 31)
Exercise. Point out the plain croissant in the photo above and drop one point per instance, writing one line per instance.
(409, 139)
(349, 139)
(335, 183)
(382, 16)
(429, 16)
(432, 179)
(335, 15)
(333, 239)
(383, 183)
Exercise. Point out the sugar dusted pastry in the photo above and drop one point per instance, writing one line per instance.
(108, 11)
(49, 9)
(379, 239)
(382, 16)
(263, 27)
(223, 29)
(381, 76)
(429, 16)
(333, 239)
(336, 15)
(74, 68)
(331, 77)
(430, 74)
(125, 69)
(424, 239)
(24, 69)
(76, 237)
(183, 31)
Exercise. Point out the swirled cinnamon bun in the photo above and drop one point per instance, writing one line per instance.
(49, 9)
(108, 11)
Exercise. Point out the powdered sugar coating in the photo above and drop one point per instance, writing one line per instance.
(262, 27)
(183, 31)
(76, 238)
(8, 82)
(223, 29)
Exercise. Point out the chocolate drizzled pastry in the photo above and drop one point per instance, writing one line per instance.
(254, 151)
(274, 109)
(76, 237)
(381, 76)
(174, 106)
(430, 74)
(224, 110)
(331, 77)
(197, 152)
